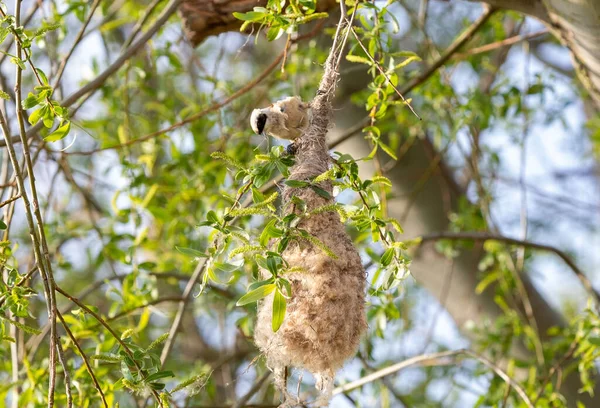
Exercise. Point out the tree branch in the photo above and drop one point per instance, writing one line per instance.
(432, 360)
(429, 71)
(93, 85)
(484, 236)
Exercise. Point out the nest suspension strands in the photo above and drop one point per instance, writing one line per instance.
(326, 312)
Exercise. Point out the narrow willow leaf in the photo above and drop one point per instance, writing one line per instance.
(256, 285)
(191, 252)
(256, 294)
(270, 231)
(279, 307)
(296, 183)
(59, 133)
(249, 16)
(159, 375)
(323, 193)
(387, 257)
(388, 150)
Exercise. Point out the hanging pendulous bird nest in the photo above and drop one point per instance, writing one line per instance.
(204, 18)
(326, 312)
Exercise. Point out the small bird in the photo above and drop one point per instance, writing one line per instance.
(285, 119)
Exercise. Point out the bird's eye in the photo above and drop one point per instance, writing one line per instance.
(281, 108)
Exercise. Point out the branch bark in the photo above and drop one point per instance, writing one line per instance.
(577, 25)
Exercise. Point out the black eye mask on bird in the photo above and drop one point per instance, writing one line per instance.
(285, 119)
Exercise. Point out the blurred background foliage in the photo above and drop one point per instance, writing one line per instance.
(505, 156)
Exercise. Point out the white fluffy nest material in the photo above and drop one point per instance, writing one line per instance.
(326, 314)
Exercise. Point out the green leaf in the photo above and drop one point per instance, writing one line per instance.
(212, 217)
(321, 192)
(4, 95)
(59, 133)
(256, 294)
(29, 102)
(387, 257)
(43, 76)
(18, 62)
(594, 340)
(191, 252)
(249, 16)
(487, 281)
(279, 307)
(257, 285)
(388, 150)
(36, 115)
(49, 121)
(296, 183)
(3, 226)
(225, 267)
(126, 372)
(270, 231)
(274, 33)
(116, 23)
(272, 265)
(535, 89)
(159, 375)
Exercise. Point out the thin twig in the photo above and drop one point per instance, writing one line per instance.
(556, 367)
(246, 88)
(140, 24)
(63, 63)
(502, 43)
(112, 332)
(85, 359)
(96, 83)
(243, 90)
(366, 51)
(41, 259)
(255, 388)
(14, 362)
(65, 366)
(169, 10)
(200, 268)
(10, 200)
